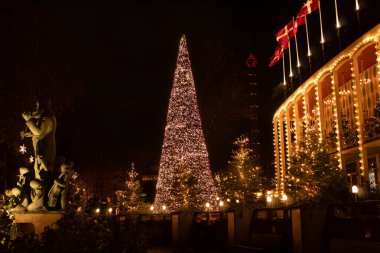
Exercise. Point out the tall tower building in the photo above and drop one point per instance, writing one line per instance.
(254, 132)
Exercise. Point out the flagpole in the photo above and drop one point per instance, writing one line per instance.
(290, 67)
(357, 9)
(337, 24)
(298, 59)
(322, 37)
(283, 71)
(308, 44)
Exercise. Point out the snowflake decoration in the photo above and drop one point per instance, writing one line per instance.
(31, 159)
(22, 149)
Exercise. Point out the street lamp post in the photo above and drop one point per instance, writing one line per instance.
(355, 191)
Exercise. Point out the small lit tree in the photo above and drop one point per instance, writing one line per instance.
(131, 198)
(243, 178)
(77, 198)
(314, 176)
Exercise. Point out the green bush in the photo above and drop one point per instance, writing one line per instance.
(76, 232)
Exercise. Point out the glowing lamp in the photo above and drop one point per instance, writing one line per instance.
(355, 189)
(221, 203)
(97, 210)
(110, 210)
(151, 208)
(164, 207)
(269, 199)
(284, 197)
(207, 205)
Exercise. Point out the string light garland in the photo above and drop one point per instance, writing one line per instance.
(243, 178)
(329, 69)
(131, 197)
(184, 179)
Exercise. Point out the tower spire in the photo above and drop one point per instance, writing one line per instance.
(254, 132)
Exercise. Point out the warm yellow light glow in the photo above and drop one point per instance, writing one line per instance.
(284, 197)
(221, 203)
(269, 199)
(207, 205)
(97, 210)
(184, 153)
(151, 208)
(110, 210)
(355, 189)
(281, 153)
(357, 7)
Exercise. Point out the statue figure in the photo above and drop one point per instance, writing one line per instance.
(18, 196)
(16, 202)
(37, 196)
(42, 125)
(40, 168)
(60, 186)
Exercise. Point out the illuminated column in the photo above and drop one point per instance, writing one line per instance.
(277, 154)
(304, 109)
(297, 121)
(359, 116)
(289, 147)
(307, 107)
(337, 116)
(377, 46)
(283, 154)
(318, 96)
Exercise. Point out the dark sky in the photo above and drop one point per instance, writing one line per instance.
(124, 56)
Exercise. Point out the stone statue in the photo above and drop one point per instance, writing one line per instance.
(18, 196)
(37, 196)
(60, 186)
(16, 202)
(40, 168)
(42, 125)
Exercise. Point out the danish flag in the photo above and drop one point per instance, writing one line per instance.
(285, 34)
(276, 57)
(307, 8)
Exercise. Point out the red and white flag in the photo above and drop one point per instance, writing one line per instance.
(307, 8)
(276, 57)
(285, 34)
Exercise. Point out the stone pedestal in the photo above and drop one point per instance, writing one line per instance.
(36, 222)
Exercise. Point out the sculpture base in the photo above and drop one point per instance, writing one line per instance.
(36, 222)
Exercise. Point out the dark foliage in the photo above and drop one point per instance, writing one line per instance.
(75, 232)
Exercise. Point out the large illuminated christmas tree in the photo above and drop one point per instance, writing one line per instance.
(184, 179)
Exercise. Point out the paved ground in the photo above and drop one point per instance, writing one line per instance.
(175, 250)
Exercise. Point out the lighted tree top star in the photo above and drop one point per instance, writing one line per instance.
(184, 180)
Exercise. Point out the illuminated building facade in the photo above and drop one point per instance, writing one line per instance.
(343, 99)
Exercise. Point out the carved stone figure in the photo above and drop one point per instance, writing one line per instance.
(16, 202)
(18, 198)
(42, 125)
(40, 168)
(36, 196)
(60, 186)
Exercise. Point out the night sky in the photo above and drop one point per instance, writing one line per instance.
(122, 56)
